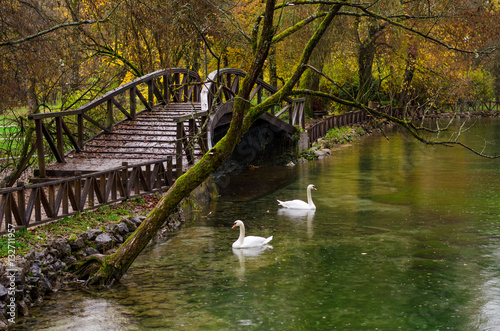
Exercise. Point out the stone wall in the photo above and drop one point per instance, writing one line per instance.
(38, 274)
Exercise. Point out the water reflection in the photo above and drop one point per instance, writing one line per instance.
(298, 216)
(401, 239)
(490, 300)
(245, 254)
(86, 314)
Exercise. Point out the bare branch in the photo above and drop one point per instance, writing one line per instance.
(57, 27)
(408, 125)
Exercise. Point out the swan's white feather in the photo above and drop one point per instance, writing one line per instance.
(252, 241)
(299, 204)
(294, 204)
(249, 241)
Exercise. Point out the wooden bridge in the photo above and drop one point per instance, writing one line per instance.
(133, 140)
(138, 138)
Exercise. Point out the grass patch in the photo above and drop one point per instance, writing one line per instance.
(35, 238)
(343, 135)
(308, 154)
(19, 245)
(339, 136)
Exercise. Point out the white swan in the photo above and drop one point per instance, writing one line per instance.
(250, 241)
(299, 204)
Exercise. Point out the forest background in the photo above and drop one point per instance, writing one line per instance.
(58, 55)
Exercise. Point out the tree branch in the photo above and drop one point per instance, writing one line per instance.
(57, 27)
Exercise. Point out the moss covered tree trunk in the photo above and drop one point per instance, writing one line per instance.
(104, 270)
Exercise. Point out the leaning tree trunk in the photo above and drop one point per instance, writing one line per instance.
(104, 270)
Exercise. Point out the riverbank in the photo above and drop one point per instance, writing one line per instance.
(39, 270)
(40, 256)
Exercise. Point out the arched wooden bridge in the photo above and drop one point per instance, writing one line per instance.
(137, 139)
(178, 119)
(133, 140)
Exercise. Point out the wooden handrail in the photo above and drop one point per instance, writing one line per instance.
(184, 118)
(119, 90)
(185, 141)
(80, 193)
(231, 77)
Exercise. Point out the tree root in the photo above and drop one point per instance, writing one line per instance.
(94, 270)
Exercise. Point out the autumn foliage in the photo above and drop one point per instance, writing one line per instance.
(112, 42)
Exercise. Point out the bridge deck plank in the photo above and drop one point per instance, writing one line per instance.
(151, 135)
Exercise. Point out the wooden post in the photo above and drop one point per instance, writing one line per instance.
(137, 181)
(78, 191)
(21, 203)
(178, 90)
(114, 186)
(59, 137)
(39, 146)
(169, 173)
(7, 214)
(185, 89)
(65, 199)
(92, 183)
(52, 200)
(133, 103)
(151, 95)
(38, 207)
(102, 188)
(109, 114)
(125, 179)
(147, 174)
(80, 131)
(178, 148)
(166, 91)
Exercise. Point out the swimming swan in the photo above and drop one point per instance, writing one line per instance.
(299, 204)
(250, 241)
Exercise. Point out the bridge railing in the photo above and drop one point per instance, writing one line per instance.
(186, 141)
(30, 205)
(320, 129)
(222, 86)
(470, 106)
(67, 130)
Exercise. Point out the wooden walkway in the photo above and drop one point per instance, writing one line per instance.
(151, 135)
(108, 150)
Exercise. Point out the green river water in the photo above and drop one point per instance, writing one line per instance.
(405, 237)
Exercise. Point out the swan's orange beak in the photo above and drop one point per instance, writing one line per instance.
(314, 187)
(233, 226)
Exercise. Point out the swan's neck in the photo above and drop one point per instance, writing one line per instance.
(309, 197)
(242, 234)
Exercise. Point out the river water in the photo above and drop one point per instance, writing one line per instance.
(404, 237)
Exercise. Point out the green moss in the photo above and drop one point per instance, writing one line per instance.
(68, 227)
(343, 135)
(19, 244)
(308, 154)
